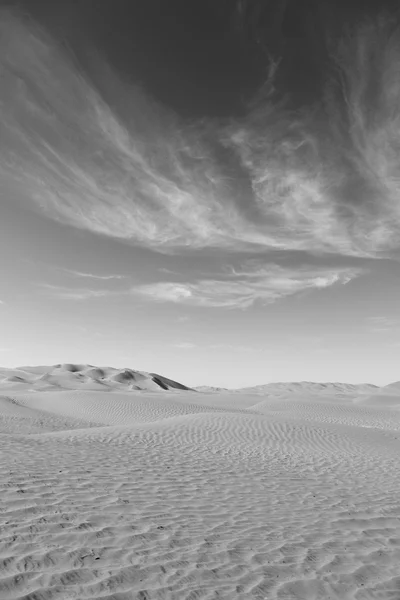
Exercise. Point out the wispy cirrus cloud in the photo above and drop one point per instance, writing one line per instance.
(229, 347)
(184, 345)
(383, 324)
(183, 319)
(68, 293)
(92, 275)
(320, 179)
(265, 285)
(139, 178)
(232, 290)
(233, 347)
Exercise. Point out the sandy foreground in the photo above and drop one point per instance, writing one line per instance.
(174, 494)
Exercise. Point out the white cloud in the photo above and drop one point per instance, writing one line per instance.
(183, 319)
(66, 293)
(264, 285)
(184, 345)
(383, 324)
(240, 289)
(93, 276)
(172, 292)
(233, 348)
(206, 347)
(313, 184)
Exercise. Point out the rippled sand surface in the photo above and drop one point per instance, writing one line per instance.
(185, 495)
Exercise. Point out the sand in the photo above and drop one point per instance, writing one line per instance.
(291, 491)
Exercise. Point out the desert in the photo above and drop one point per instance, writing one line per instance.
(199, 300)
(116, 487)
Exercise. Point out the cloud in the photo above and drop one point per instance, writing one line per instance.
(333, 179)
(383, 324)
(183, 319)
(229, 347)
(233, 348)
(184, 345)
(93, 276)
(265, 285)
(66, 293)
(139, 178)
(234, 289)
(328, 174)
(106, 158)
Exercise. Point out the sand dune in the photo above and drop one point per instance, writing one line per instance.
(74, 376)
(171, 494)
(302, 387)
(392, 388)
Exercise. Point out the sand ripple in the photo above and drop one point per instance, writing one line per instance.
(118, 496)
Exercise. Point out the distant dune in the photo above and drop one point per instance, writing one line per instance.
(90, 377)
(84, 377)
(310, 387)
(299, 387)
(392, 388)
(209, 389)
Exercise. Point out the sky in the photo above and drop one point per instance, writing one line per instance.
(206, 190)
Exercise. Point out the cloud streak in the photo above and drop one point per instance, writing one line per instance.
(93, 276)
(323, 179)
(264, 285)
(139, 178)
(328, 176)
(66, 293)
(383, 324)
(228, 347)
(234, 289)
(184, 345)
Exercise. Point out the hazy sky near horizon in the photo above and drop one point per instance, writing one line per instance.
(208, 190)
